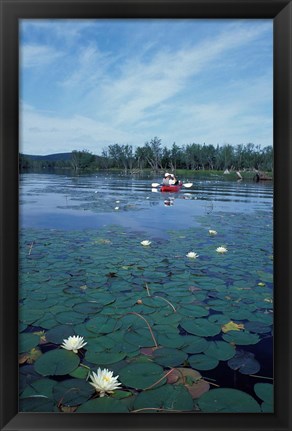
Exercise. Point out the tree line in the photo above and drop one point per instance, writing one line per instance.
(153, 155)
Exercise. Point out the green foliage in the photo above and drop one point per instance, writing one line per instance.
(228, 401)
(166, 397)
(194, 157)
(97, 299)
(56, 363)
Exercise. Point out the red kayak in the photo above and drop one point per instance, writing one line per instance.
(173, 188)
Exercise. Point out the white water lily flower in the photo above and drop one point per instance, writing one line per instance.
(104, 382)
(73, 343)
(145, 242)
(192, 255)
(116, 208)
(221, 250)
(212, 232)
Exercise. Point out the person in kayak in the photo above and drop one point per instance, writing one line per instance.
(173, 180)
(167, 179)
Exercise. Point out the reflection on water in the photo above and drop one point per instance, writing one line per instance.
(73, 202)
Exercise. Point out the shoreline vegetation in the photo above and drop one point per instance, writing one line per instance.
(248, 162)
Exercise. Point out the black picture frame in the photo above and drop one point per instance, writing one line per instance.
(281, 13)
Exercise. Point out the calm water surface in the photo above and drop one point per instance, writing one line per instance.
(90, 201)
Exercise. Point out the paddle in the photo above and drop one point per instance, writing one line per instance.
(187, 185)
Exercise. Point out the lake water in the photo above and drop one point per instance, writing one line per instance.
(78, 202)
(83, 271)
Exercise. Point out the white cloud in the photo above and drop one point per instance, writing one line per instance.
(36, 55)
(129, 98)
(45, 133)
(143, 86)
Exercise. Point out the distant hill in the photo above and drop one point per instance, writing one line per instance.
(50, 157)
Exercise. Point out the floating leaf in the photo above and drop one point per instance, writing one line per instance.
(104, 358)
(29, 316)
(232, 326)
(202, 362)
(191, 379)
(220, 350)
(87, 307)
(265, 391)
(166, 397)
(244, 362)
(219, 318)
(169, 357)
(80, 373)
(27, 341)
(139, 338)
(241, 338)
(59, 333)
(172, 339)
(103, 405)
(36, 404)
(57, 362)
(30, 357)
(258, 327)
(70, 317)
(223, 400)
(193, 311)
(194, 344)
(39, 387)
(72, 392)
(102, 325)
(141, 375)
(201, 327)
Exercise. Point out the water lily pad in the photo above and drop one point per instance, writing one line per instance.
(244, 362)
(141, 375)
(80, 373)
(166, 397)
(201, 327)
(29, 316)
(39, 387)
(222, 319)
(139, 338)
(57, 362)
(173, 340)
(104, 358)
(193, 311)
(59, 333)
(191, 379)
(265, 391)
(169, 357)
(223, 400)
(87, 307)
(27, 341)
(102, 325)
(257, 327)
(267, 407)
(194, 344)
(70, 317)
(202, 362)
(220, 350)
(72, 392)
(241, 338)
(103, 405)
(36, 404)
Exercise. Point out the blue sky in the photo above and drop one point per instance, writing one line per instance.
(87, 84)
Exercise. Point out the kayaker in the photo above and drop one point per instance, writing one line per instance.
(173, 180)
(167, 179)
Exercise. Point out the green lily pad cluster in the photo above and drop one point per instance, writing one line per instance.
(149, 314)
